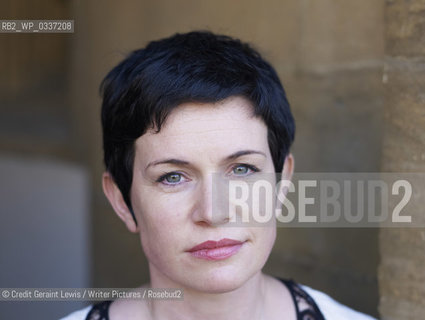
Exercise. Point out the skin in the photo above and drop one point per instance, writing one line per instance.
(175, 214)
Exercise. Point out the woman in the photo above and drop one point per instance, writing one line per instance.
(176, 114)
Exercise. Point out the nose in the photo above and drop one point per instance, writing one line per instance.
(209, 210)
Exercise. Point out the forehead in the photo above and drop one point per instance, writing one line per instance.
(206, 127)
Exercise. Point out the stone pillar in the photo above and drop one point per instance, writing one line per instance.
(402, 269)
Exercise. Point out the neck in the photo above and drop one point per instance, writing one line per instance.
(245, 302)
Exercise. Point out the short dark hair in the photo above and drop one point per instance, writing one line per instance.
(198, 66)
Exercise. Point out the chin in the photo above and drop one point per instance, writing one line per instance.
(219, 286)
(221, 280)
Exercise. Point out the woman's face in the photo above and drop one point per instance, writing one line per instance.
(172, 195)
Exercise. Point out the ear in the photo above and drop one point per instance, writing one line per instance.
(287, 172)
(117, 202)
(288, 167)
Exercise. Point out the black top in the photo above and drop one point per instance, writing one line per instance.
(305, 306)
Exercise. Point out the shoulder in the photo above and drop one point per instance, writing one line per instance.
(78, 315)
(333, 310)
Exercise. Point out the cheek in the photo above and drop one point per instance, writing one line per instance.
(267, 245)
(270, 237)
(160, 227)
(153, 210)
(159, 241)
(265, 238)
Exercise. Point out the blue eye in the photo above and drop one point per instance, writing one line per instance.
(244, 169)
(171, 178)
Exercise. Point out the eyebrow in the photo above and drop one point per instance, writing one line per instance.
(233, 156)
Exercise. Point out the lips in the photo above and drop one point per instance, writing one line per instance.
(216, 250)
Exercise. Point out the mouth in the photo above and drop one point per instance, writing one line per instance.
(216, 250)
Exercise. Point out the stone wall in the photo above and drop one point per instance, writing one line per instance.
(402, 251)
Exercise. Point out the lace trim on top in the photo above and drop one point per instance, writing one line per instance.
(305, 306)
(100, 311)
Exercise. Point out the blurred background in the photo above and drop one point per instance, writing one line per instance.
(353, 72)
